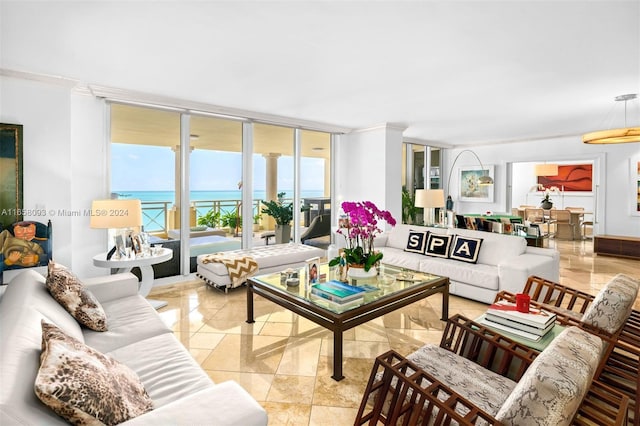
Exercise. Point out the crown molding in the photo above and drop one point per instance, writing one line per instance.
(42, 78)
(157, 101)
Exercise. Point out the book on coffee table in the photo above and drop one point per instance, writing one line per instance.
(337, 291)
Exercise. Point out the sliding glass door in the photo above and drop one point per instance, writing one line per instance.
(147, 163)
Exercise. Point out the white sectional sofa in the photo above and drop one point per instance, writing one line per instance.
(504, 262)
(182, 393)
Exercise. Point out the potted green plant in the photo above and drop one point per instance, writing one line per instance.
(256, 222)
(282, 213)
(232, 220)
(210, 219)
(409, 209)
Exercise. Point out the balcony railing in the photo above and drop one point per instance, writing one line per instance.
(156, 215)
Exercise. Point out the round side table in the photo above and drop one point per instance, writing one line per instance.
(144, 263)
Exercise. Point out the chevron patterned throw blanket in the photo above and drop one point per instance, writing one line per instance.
(240, 267)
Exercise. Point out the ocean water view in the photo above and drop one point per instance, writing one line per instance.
(169, 196)
(154, 215)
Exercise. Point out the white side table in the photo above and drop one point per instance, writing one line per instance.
(146, 270)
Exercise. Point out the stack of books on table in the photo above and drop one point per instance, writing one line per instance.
(533, 325)
(338, 293)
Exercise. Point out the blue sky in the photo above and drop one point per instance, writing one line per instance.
(151, 168)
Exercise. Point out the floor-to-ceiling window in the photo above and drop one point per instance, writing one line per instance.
(420, 170)
(145, 161)
(146, 164)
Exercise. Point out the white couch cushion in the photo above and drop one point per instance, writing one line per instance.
(167, 371)
(496, 248)
(30, 286)
(130, 320)
(483, 276)
(401, 258)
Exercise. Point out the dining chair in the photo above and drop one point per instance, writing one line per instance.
(563, 223)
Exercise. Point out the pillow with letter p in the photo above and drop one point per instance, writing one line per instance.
(417, 241)
(466, 249)
(438, 245)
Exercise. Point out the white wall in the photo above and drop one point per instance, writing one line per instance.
(63, 162)
(369, 168)
(612, 177)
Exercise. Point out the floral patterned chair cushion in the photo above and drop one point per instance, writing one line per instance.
(486, 389)
(613, 304)
(551, 390)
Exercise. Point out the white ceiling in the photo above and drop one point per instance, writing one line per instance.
(452, 72)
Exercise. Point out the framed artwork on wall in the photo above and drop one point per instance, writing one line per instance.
(571, 177)
(470, 190)
(11, 197)
(634, 173)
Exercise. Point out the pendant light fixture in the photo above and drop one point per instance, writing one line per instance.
(612, 136)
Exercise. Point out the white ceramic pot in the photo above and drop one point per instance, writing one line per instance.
(355, 272)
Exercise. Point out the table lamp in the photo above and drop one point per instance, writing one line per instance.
(429, 200)
(117, 214)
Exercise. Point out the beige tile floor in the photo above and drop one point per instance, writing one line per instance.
(284, 360)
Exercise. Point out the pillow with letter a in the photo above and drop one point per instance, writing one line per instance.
(438, 245)
(417, 241)
(466, 249)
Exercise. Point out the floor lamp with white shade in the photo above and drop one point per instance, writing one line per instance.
(483, 180)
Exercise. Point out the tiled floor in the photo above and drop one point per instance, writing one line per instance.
(284, 360)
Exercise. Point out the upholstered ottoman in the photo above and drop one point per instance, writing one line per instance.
(272, 258)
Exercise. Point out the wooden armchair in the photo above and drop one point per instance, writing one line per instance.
(401, 391)
(572, 307)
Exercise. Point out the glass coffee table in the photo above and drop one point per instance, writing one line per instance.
(392, 289)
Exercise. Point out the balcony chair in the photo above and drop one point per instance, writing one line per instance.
(320, 226)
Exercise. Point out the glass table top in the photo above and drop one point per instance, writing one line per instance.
(390, 280)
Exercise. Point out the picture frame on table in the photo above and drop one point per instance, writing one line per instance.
(121, 248)
(520, 229)
(468, 187)
(533, 230)
(312, 275)
(136, 242)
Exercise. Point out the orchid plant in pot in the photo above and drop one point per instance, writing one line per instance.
(359, 231)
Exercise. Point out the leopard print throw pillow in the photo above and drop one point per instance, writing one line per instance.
(84, 386)
(69, 291)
